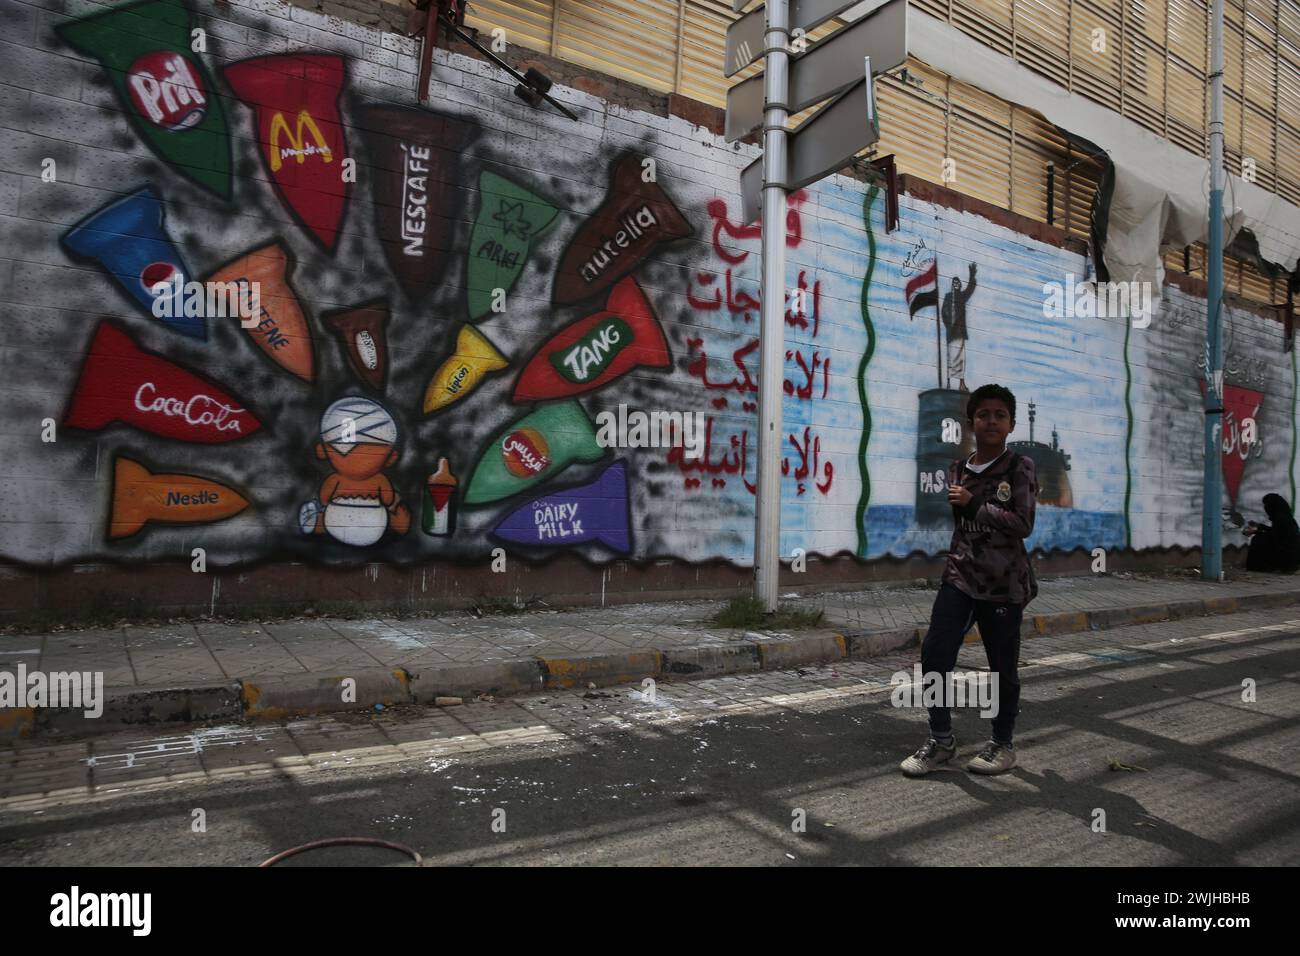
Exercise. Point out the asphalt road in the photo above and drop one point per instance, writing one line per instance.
(723, 771)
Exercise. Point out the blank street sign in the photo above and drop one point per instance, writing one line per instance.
(745, 36)
(822, 144)
(827, 68)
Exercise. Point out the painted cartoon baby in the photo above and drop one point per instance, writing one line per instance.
(357, 503)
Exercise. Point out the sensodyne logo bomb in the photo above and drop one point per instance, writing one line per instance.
(167, 91)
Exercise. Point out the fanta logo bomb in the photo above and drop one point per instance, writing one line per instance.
(525, 453)
(167, 90)
(202, 411)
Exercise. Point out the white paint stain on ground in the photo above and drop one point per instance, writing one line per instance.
(390, 635)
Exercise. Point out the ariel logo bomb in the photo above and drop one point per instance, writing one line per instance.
(357, 503)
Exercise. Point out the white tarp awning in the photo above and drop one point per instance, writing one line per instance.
(1161, 193)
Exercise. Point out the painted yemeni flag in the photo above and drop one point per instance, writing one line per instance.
(1239, 404)
(165, 90)
(121, 382)
(280, 329)
(594, 512)
(141, 496)
(510, 218)
(922, 289)
(295, 100)
(592, 352)
(534, 449)
(416, 160)
(126, 238)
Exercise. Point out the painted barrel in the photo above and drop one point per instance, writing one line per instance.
(941, 437)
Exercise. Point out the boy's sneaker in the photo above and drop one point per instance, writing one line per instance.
(928, 758)
(994, 758)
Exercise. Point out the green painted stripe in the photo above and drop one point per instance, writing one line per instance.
(865, 497)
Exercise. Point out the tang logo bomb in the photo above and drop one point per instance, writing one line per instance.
(166, 90)
(525, 452)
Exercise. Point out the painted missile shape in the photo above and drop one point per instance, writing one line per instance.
(141, 497)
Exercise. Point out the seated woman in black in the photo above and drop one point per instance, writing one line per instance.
(1274, 547)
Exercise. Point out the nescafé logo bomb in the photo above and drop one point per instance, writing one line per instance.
(525, 453)
(167, 91)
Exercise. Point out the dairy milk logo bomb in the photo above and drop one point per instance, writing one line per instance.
(357, 503)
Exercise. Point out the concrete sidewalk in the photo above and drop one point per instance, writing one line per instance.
(231, 670)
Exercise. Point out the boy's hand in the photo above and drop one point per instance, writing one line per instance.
(959, 496)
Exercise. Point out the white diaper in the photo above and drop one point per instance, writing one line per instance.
(356, 521)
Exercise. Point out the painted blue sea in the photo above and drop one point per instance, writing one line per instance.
(891, 530)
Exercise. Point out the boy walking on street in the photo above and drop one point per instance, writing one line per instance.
(987, 579)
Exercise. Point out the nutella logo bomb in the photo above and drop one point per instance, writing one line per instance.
(633, 227)
(167, 91)
(637, 429)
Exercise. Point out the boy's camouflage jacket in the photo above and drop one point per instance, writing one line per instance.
(987, 558)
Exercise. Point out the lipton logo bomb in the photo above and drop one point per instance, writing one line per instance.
(524, 452)
(167, 90)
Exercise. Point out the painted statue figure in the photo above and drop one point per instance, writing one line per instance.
(954, 322)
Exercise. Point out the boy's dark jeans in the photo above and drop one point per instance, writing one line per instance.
(1000, 630)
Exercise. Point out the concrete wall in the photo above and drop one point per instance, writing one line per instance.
(139, 448)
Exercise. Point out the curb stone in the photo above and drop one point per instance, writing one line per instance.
(272, 698)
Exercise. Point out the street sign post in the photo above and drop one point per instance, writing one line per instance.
(840, 65)
(821, 144)
(745, 36)
(829, 66)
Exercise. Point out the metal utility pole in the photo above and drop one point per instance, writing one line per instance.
(841, 66)
(771, 368)
(1212, 500)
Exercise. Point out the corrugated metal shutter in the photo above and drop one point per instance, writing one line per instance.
(979, 141)
(1037, 143)
(915, 131)
(526, 22)
(1043, 38)
(1096, 72)
(988, 21)
(632, 39)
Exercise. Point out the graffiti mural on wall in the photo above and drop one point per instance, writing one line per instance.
(443, 362)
